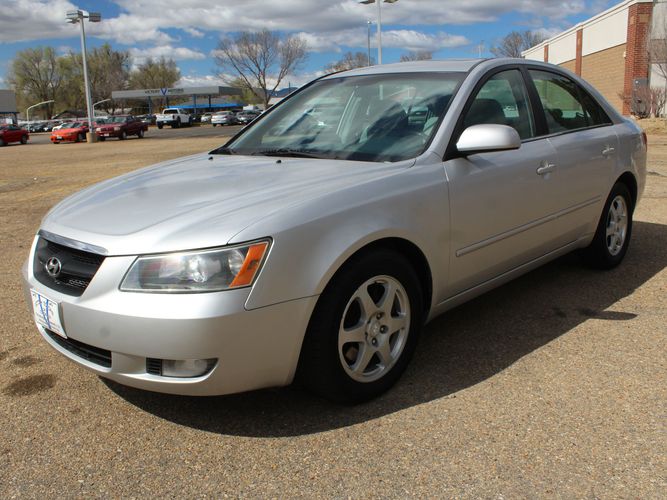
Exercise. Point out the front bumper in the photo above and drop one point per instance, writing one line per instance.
(254, 349)
(108, 133)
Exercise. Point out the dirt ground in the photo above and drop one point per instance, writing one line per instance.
(551, 386)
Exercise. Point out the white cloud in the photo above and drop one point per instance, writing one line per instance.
(399, 39)
(34, 19)
(168, 51)
(147, 20)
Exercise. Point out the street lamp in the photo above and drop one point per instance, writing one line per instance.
(368, 24)
(99, 102)
(73, 17)
(379, 23)
(27, 111)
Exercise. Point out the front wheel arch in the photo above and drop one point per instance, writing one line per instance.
(406, 249)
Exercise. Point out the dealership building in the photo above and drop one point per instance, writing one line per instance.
(610, 50)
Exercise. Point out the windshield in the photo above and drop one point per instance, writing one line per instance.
(369, 118)
(116, 119)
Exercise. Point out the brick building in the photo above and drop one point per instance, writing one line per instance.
(609, 50)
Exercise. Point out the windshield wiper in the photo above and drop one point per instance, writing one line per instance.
(295, 153)
(223, 150)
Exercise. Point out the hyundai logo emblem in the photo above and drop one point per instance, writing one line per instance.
(53, 267)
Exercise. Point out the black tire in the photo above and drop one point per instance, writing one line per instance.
(321, 364)
(123, 135)
(214, 124)
(101, 139)
(159, 126)
(24, 139)
(140, 134)
(598, 254)
(80, 138)
(2, 143)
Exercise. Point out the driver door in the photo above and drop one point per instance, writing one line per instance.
(500, 203)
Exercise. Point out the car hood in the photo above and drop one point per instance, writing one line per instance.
(199, 201)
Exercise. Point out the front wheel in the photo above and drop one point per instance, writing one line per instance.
(140, 134)
(24, 139)
(364, 329)
(612, 237)
(101, 139)
(123, 135)
(80, 138)
(159, 126)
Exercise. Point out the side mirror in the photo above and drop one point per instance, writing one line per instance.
(488, 138)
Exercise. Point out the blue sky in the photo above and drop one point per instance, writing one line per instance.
(189, 30)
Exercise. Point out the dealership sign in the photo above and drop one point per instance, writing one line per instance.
(178, 91)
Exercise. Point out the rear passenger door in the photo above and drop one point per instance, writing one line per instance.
(586, 144)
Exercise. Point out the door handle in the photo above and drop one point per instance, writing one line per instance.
(608, 151)
(546, 168)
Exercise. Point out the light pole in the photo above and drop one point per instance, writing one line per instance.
(73, 17)
(379, 22)
(368, 24)
(99, 102)
(27, 111)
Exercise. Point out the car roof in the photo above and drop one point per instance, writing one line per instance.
(449, 65)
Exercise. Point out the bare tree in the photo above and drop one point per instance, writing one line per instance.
(36, 75)
(108, 70)
(516, 42)
(155, 73)
(657, 46)
(420, 55)
(261, 60)
(349, 60)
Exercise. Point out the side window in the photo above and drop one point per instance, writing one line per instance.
(503, 100)
(566, 105)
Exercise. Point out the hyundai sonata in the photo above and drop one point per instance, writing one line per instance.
(318, 241)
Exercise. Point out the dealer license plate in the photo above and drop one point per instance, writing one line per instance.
(47, 313)
(59, 137)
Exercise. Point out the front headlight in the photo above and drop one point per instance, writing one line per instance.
(197, 271)
(116, 129)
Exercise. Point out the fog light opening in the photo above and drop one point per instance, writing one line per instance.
(184, 368)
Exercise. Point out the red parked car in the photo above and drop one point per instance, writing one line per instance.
(13, 133)
(121, 126)
(70, 132)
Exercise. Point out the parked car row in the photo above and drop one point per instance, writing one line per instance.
(231, 118)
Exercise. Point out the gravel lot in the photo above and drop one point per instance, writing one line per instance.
(551, 386)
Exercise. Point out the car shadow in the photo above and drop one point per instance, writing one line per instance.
(457, 350)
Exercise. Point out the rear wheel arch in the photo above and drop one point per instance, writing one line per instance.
(630, 182)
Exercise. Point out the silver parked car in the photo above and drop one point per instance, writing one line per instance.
(317, 242)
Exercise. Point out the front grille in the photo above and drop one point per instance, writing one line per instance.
(77, 267)
(154, 366)
(90, 353)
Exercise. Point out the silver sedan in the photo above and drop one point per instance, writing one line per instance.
(317, 243)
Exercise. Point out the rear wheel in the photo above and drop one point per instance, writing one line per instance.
(24, 139)
(364, 329)
(614, 230)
